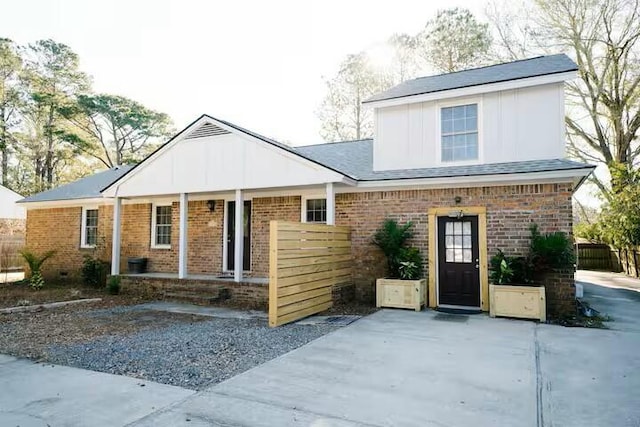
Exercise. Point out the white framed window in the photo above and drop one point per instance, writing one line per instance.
(314, 209)
(89, 227)
(459, 136)
(161, 226)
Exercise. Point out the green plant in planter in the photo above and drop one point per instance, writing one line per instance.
(402, 262)
(510, 270)
(409, 264)
(501, 271)
(35, 262)
(551, 250)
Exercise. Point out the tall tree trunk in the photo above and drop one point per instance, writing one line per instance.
(4, 146)
(48, 165)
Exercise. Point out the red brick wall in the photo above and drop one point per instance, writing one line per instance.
(205, 237)
(264, 210)
(57, 229)
(510, 212)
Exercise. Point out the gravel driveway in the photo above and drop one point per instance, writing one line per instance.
(191, 355)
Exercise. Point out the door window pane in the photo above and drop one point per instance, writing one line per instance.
(458, 242)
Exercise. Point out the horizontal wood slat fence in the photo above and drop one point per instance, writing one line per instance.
(305, 262)
(10, 258)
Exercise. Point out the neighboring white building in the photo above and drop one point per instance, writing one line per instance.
(9, 209)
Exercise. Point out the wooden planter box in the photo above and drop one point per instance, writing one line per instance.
(524, 302)
(398, 293)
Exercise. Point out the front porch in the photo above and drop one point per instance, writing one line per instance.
(194, 236)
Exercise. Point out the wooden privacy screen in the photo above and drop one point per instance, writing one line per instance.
(305, 262)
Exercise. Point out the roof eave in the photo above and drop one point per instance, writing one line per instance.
(475, 180)
(473, 89)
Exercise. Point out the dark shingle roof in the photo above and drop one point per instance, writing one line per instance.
(355, 159)
(84, 188)
(533, 67)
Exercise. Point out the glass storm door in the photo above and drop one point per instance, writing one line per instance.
(458, 261)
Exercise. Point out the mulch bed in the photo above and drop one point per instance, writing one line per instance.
(30, 334)
(19, 294)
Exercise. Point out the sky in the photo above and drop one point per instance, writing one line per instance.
(258, 64)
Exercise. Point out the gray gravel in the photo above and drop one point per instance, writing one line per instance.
(191, 355)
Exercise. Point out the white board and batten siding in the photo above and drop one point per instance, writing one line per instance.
(213, 159)
(514, 125)
(9, 209)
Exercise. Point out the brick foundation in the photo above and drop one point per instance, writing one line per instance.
(254, 295)
(343, 293)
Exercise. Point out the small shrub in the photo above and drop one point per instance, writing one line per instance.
(35, 262)
(391, 239)
(551, 250)
(113, 285)
(93, 271)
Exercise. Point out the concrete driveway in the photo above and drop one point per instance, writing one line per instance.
(401, 368)
(38, 395)
(394, 368)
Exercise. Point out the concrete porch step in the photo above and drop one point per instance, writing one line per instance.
(201, 298)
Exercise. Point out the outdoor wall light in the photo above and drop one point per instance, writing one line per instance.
(212, 205)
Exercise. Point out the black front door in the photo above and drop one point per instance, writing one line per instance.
(231, 236)
(458, 261)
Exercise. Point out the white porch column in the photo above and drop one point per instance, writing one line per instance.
(115, 244)
(331, 204)
(239, 238)
(184, 236)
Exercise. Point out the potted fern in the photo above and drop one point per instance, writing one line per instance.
(404, 287)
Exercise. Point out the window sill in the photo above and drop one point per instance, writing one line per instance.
(87, 246)
(160, 246)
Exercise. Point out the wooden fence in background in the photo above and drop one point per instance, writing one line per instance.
(627, 260)
(305, 262)
(595, 256)
(10, 258)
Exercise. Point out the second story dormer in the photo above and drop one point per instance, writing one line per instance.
(501, 113)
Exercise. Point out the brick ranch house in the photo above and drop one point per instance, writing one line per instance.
(482, 147)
